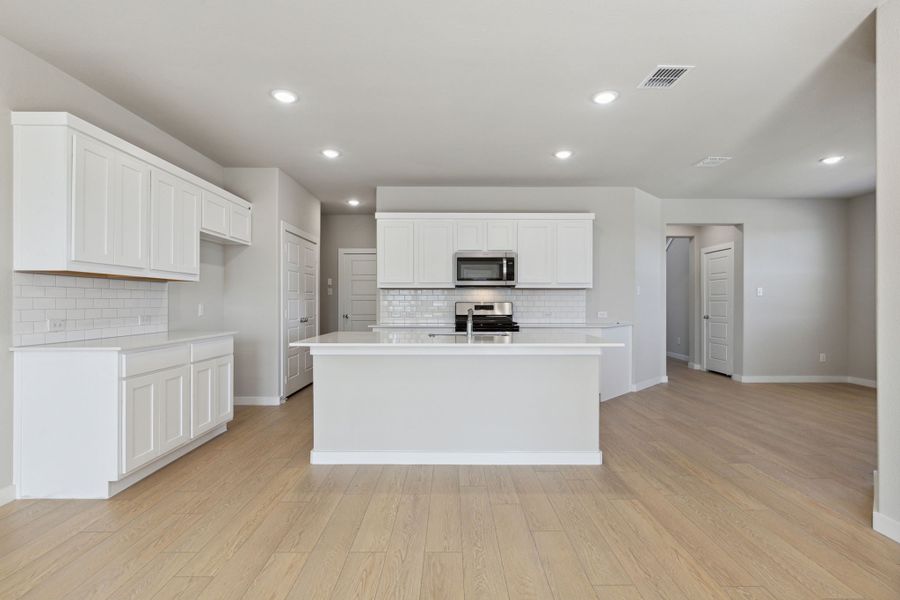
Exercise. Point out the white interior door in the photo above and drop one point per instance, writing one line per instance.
(718, 309)
(356, 290)
(300, 282)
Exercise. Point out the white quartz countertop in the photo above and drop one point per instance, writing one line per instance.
(605, 325)
(127, 343)
(418, 342)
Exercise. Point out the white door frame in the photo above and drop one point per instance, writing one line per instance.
(313, 239)
(704, 299)
(341, 253)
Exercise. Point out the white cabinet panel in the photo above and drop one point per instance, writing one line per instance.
(215, 214)
(574, 253)
(536, 263)
(240, 223)
(501, 235)
(223, 409)
(470, 235)
(174, 408)
(140, 434)
(203, 397)
(174, 224)
(434, 253)
(132, 212)
(396, 253)
(93, 188)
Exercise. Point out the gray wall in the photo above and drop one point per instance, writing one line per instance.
(678, 298)
(209, 291)
(29, 83)
(888, 223)
(861, 325)
(649, 331)
(797, 251)
(339, 231)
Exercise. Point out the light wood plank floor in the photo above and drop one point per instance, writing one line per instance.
(711, 489)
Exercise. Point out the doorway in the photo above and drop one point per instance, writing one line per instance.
(299, 305)
(357, 292)
(704, 272)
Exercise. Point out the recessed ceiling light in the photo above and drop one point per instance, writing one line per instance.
(563, 154)
(284, 96)
(353, 202)
(330, 153)
(831, 160)
(605, 97)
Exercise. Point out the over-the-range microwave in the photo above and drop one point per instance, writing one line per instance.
(483, 269)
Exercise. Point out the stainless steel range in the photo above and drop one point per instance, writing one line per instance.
(486, 316)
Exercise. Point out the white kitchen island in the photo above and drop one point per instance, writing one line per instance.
(413, 398)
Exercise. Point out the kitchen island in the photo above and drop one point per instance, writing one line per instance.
(418, 398)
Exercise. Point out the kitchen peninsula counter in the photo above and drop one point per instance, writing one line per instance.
(414, 398)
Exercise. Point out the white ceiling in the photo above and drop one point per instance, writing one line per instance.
(482, 92)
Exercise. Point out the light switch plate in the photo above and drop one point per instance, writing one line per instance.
(200, 309)
(823, 357)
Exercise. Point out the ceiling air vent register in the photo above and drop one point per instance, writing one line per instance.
(665, 76)
(712, 161)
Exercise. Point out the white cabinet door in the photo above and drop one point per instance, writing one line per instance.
(574, 253)
(215, 214)
(132, 212)
(434, 253)
(501, 235)
(240, 223)
(174, 408)
(396, 253)
(140, 410)
(174, 224)
(223, 409)
(536, 264)
(93, 198)
(203, 396)
(470, 236)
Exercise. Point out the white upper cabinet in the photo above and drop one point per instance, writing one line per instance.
(87, 201)
(93, 192)
(396, 253)
(574, 253)
(434, 254)
(174, 224)
(554, 250)
(470, 236)
(501, 235)
(536, 260)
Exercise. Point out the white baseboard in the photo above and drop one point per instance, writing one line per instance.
(7, 494)
(803, 379)
(328, 457)
(863, 382)
(676, 356)
(886, 526)
(695, 366)
(643, 385)
(257, 400)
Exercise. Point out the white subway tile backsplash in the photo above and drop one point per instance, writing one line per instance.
(425, 307)
(92, 307)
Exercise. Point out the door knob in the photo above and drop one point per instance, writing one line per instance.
(346, 316)
(304, 320)
(705, 316)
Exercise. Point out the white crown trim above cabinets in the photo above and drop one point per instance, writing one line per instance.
(86, 201)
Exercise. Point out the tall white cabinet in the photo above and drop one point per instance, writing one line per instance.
(554, 250)
(87, 201)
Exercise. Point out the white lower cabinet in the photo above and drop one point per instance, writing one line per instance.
(108, 417)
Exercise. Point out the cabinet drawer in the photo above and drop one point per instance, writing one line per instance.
(136, 363)
(211, 349)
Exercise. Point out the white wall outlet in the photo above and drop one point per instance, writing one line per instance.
(602, 314)
(56, 324)
(822, 357)
(759, 291)
(330, 291)
(638, 290)
(144, 320)
(200, 309)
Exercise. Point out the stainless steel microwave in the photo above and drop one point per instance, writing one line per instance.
(485, 269)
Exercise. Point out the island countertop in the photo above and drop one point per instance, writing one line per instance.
(417, 342)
